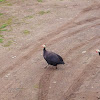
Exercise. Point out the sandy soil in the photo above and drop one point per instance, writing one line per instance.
(70, 28)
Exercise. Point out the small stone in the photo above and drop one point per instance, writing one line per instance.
(54, 82)
(14, 57)
(60, 18)
(50, 87)
(7, 75)
(83, 51)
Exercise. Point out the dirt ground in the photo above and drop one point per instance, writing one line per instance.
(70, 28)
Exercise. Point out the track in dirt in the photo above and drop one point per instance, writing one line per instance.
(66, 26)
(78, 82)
(48, 74)
(88, 70)
(44, 84)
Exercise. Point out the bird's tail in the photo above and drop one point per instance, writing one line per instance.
(63, 63)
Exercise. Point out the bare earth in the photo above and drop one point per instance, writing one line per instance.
(70, 28)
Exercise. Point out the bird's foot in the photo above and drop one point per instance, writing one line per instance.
(56, 67)
(45, 67)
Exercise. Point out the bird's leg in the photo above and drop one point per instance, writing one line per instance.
(46, 66)
(56, 67)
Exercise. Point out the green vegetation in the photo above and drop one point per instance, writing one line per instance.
(2, 0)
(39, 0)
(26, 32)
(9, 4)
(3, 30)
(1, 14)
(1, 35)
(3, 26)
(1, 40)
(29, 16)
(43, 12)
(7, 22)
(5, 3)
(36, 86)
(8, 43)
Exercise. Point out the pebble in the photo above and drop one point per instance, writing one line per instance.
(7, 75)
(14, 57)
(54, 82)
(83, 51)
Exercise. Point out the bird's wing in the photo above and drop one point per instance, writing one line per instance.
(55, 55)
(60, 57)
(52, 57)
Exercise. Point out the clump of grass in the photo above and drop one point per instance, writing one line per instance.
(36, 86)
(9, 21)
(43, 12)
(1, 14)
(2, 0)
(26, 32)
(39, 0)
(9, 4)
(8, 43)
(1, 40)
(5, 3)
(3, 29)
(3, 26)
(29, 16)
(1, 35)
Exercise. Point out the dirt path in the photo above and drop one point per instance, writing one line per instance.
(24, 77)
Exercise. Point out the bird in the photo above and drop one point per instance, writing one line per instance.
(51, 57)
(98, 51)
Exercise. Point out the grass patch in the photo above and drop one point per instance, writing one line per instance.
(9, 21)
(26, 32)
(3, 26)
(3, 30)
(39, 0)
(2, 0)
(8, 43)
(1, 40)
(29, 16)
(1, 35)
(43, 12)
(36, 86)
(9, 4)
(5, 3)
(1, 14)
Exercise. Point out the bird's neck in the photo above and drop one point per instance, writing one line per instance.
(44, 49)
(99, 53)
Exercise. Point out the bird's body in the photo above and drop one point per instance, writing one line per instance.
(52, 58)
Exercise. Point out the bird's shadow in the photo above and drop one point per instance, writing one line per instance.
(59, 67)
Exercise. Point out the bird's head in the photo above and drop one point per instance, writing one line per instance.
(97, 51)
(43, 46)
